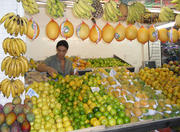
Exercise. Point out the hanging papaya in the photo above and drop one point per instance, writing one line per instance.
(52, 30)
(95, 34)
(32, 29)
(163, 35)
(173, 35)
(142, 35)
(108, 33)
(82, 31)
(153, 34)
(119, 32)
(66, 29)
(131, 32)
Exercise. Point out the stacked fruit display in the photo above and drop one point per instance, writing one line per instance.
(163, 79)
(15, 117)
(106, 62)
(173, 66)
(79, 63)
(141, 101)
(73, 103)
(46, 108)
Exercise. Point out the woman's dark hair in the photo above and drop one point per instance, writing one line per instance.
(62, 43)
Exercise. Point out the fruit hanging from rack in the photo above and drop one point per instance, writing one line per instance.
(55, 8)
(166, 14)
(14, 24)
(119, 32)
(83, 9)
(108, 33)
(30, 6)
(82, 31)
(111, 11)
(142, 35)
(135, 12)
(177, 4)
(98, 13)
(52, 30)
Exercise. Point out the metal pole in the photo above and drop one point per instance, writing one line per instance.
(161, 3)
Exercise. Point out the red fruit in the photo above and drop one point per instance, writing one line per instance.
(25, 126)
(2, 118)
(10, 118)
(8, 108)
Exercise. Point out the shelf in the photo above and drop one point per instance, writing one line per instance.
(145, 126)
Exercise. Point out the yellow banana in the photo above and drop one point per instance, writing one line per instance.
(23, 45)
(18, 68)
(4, 62)
(20, 86)
(13, 29)
(26, 64)
(8, 66)
(25, 22)
(15, 70)
(4, 44)
(12, 91)
(21, 66)
(11, 68)
(6, 16)
(8, 90)
(4, 84)
(16, 50)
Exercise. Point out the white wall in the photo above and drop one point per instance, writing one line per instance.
(42, 47)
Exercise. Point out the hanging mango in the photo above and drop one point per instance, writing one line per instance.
(163, 35)
(108, 33)
(119, 32)
(95, 34)
(82, 31)
(32, 29)
(173, 35)
(142, 35)
(131, 32)
(66, 29)
(52, 30)
(153, 34)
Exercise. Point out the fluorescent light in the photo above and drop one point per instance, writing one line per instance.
(171, 24)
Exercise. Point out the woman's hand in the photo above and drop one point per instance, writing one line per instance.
(52, 72)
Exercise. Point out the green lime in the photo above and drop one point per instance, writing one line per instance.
(96, 109)
(98, 114)
(90, 115)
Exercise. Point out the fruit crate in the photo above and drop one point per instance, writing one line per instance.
(130, 68)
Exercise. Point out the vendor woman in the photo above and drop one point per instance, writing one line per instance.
(58, 64)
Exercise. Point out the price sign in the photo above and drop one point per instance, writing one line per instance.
(31, 93)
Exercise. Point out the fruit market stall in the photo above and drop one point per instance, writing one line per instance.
(107, 40)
